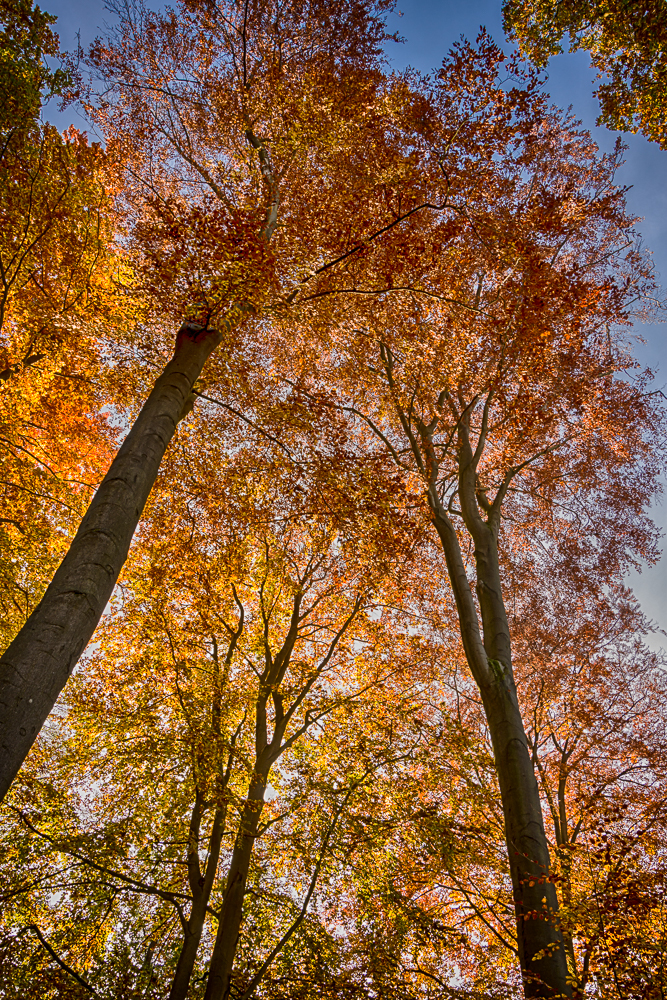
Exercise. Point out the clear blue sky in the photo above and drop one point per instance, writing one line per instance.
(429, 28)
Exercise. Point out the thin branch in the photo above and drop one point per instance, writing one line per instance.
(248, 421)
(512, 472)
(311, 888)
(481, 440)
(63, 965)
(138, 886)
(364, 243)
(268, 174)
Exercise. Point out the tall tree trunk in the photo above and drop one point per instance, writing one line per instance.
(35, 667)
(564, 842)
(188, 956)
(266, 754)
(540, 942)
(201, 892)
(231, 912)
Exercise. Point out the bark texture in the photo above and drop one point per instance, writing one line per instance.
(37, 664)
(539, 937)
(541, 948)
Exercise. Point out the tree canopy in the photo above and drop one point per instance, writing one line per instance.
(324, 456)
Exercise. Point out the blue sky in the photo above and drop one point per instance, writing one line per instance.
(429, 28)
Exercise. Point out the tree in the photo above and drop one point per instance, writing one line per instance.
(61, 278)
(165, 737)
(58, 281)
(413, 871)
(596, 732)
(493, 383)
(594, 712)
(26, 41)
(628, 47)
(222, 175)
(409, 355)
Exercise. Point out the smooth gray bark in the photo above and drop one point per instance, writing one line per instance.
(37, 664)
(488, 652)
(541, 947)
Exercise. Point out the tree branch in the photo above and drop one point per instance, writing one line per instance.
(63, 965)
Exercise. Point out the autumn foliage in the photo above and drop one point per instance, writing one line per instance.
(368, 708)
(627, 45)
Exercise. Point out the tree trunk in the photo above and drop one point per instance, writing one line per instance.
(231, 913)
(35, 667)
(201, 893)
(539, 937)
(266, 753)
(540, 942)
(188, 956)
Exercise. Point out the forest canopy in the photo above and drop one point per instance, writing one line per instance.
(325, 455)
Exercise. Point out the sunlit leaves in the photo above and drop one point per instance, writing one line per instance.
(628, 47)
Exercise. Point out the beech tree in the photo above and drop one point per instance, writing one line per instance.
(416, 874)
(400, 338)
(274, 629)
(495, 382)
(60, 275)
(58, 278)
(212, 154)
